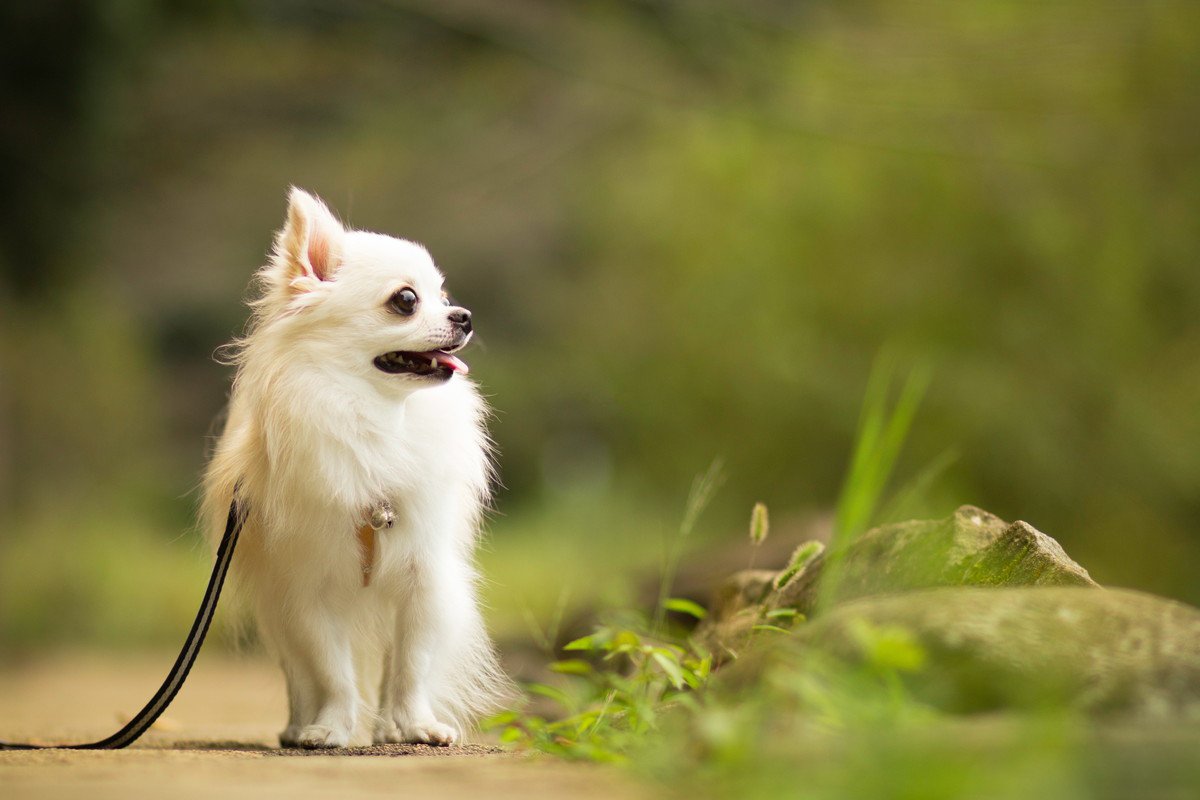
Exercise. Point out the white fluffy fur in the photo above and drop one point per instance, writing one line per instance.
(315, 436)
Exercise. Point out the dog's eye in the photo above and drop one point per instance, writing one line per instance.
(403, 302)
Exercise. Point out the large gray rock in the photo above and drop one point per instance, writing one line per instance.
(969, 548)
(1002, 616)
(1101, 651)
(745, 589)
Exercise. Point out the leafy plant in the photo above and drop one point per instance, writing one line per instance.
(618, 683)
(619, 691)
(701, 494)
(626, 673)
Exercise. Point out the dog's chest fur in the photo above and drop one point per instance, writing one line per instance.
(329, 454)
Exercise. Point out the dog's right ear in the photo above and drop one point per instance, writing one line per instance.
(309, 248)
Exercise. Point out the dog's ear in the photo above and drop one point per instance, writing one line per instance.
(309, 248)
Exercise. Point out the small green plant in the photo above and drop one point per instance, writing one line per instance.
(624, 675)
(804, 553)
(701, 494)
(619, 694)
(619, 682)
(881, 434)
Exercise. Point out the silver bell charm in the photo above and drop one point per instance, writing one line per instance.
(382, 516)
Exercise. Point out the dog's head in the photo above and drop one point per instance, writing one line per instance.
(362, 301)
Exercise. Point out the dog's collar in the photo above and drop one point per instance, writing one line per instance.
(378, 517)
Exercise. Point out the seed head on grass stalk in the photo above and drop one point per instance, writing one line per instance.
(760, 526)
(801, 556)
(703, 488)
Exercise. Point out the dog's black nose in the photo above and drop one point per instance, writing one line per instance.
(462, 318)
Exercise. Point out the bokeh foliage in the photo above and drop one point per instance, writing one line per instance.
(686, 230)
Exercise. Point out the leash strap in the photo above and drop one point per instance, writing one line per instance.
(183, 664)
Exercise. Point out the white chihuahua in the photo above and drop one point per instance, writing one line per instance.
(356, 444)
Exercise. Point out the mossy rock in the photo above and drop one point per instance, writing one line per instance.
(971, 547)
(1106, 651)
(1001, 615)
(968, 548)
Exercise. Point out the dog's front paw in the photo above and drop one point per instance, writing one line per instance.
(315, 737)
(290, 736)
(385, 733)
(428, 731)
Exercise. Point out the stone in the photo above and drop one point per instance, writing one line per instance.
(969, 548)
(747, 587)
(1108, 651)
(736, 608)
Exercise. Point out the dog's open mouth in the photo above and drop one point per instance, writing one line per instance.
(433, 364)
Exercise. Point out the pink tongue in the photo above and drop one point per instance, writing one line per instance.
(449, 361)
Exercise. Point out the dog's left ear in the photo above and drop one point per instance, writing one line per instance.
(309, 248)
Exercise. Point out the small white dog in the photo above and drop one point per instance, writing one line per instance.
(356, 444)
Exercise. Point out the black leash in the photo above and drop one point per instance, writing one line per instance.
(183, 664)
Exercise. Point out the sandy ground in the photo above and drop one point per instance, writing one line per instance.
(218, 739)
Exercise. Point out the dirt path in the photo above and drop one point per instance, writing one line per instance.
(217, 740)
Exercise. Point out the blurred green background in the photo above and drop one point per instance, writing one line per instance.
(685, 228)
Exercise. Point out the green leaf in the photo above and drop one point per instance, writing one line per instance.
(881, 432)
(582, 643)
(571, 666)
(498, 720)
(671, 667)
(685, 606)
(555, 694)
(883, 427)
(673, 653)
(784, 613)
(626, 640)
(597, 640)
(774, 628)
